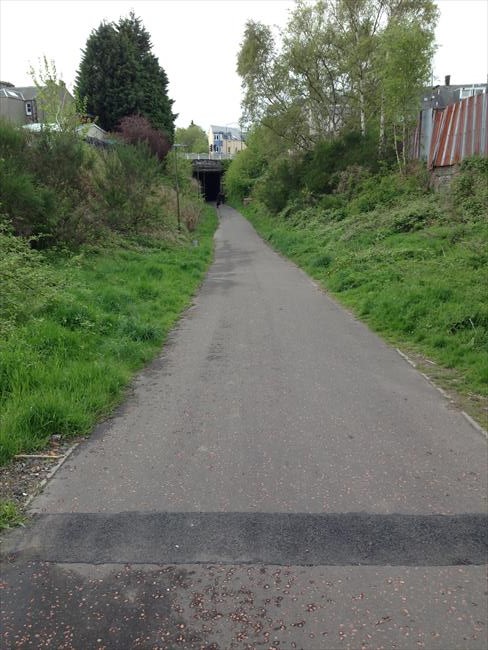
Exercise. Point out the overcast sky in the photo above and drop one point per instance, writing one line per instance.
(196, 42)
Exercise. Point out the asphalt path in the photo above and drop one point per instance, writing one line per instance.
(278, 478)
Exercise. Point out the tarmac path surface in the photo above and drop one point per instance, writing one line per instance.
(278, 478)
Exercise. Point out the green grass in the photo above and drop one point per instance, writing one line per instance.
(413, 274)
(69, 363)
(10, 515)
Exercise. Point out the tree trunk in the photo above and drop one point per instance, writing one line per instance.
(395, 139)
(381, 140)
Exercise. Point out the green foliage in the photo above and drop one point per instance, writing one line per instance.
(71, 356)
(193, 137)
(384, 190)
(244, 171)
(278, 184)
(56, 189)
(120, 76)
(339, 66)
(53, 98)
(469, 194)
(25, 283)
(323, 165)
(43, 183)
(127, 188)
(403, 61)
(10, 516)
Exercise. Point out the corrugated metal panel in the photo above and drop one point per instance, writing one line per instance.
(459, 131)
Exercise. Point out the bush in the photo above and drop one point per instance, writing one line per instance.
(242, 173)
(59, 160)
(126, 184)
(30, 208)
(25, 284)
(137, 129)
(324, 163)
(469, 190)
(279, 184)
(385, 190)
(415, 215)
(56, 189)
(42, 184)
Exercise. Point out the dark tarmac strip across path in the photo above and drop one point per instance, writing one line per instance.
(279, 478)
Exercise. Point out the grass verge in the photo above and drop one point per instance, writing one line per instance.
(68, 364)
(423, 289)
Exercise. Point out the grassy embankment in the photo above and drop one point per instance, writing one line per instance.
(410, 263)
(68, 365)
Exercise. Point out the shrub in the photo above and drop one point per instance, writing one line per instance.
(414, 215)
(469, 190)
(328, 158)
(126, 183)
(243, 172)
(280, 182)
(43, 183)
(25, 284)
(384, 190)
(349, 181)
(136, 129)
(57, 159)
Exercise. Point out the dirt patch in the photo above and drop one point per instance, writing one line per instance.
(25, 475)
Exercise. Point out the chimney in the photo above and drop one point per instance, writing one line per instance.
(447, 80)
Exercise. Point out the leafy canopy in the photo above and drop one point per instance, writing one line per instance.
(120, 76)
(338, 66)
(193, 137)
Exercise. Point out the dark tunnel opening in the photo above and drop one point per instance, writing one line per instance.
(209, 183)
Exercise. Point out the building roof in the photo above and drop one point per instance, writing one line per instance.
(441, 96)
(228, 132)
(12, 93)
(27, 92)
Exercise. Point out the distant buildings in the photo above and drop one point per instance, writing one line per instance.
(19, 105)
(225, 140)
(453, 124)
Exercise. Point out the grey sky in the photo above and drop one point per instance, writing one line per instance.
(196, 42)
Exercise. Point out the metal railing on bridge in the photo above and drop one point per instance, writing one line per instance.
(206, 156)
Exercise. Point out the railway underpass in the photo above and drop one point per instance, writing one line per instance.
(209, 174)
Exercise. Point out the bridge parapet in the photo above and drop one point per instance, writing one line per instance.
(206, 156)
(206, 165)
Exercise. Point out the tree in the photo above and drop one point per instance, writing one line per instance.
(402, 77)
(53, 98)
(120, 76)
(268, 97)
(327, 77)
(193, 138)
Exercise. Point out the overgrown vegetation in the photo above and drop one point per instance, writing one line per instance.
(333, 105)
(55, 187)
(93, 273)
(339, 66)
(408, 261)
(104, 313)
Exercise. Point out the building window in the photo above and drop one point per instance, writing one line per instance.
(28, 108)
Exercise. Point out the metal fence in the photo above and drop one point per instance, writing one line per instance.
(446, 136)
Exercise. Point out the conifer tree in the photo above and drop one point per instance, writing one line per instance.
(120, 76)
